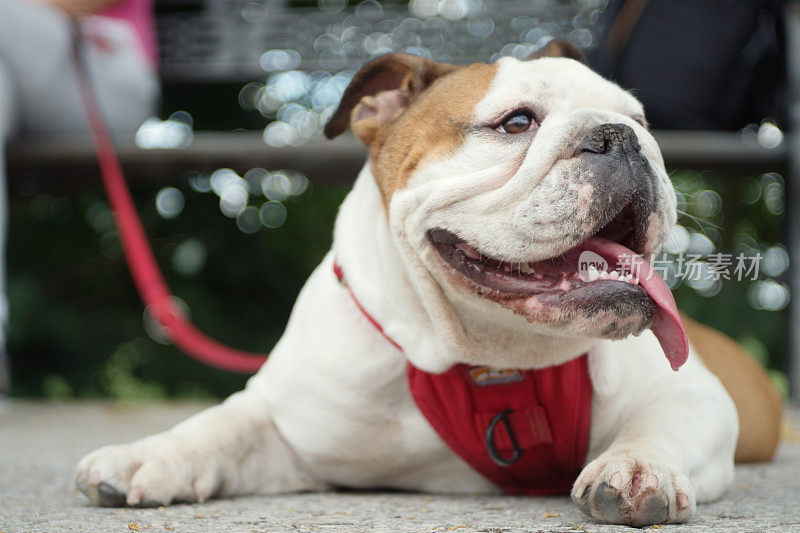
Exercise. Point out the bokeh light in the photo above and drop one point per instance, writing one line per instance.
(768, 295)
(175, 132)
(272, 214)
(189, 257)
(307, 69)
(248, 220)
(169, 202)
(153, 327)
(775, 260)
(769, 135)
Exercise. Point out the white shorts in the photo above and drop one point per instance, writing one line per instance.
(37, 68)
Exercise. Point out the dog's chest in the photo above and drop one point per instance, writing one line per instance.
(374, 437)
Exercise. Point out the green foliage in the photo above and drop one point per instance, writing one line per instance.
(738, 215)
(76, 324)
(55, 387)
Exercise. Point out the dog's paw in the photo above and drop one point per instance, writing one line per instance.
(145, 473)
(630, 489)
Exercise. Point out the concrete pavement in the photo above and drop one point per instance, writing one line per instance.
(40, 443)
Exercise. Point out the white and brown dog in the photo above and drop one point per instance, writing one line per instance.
(461, 242)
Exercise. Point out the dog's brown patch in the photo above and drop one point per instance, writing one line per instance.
(432, 127)
(559, 48)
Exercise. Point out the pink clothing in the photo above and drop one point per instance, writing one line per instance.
(139, 13)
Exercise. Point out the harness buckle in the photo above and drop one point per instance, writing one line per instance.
(494, 454)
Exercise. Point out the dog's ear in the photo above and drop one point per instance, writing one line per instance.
(379, 90)
(558, 48)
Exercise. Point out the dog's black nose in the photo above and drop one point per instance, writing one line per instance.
(607, 138)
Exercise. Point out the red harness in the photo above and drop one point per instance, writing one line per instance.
(526, 431)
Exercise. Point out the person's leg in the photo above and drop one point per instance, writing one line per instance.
(36, 41)
(8, 107)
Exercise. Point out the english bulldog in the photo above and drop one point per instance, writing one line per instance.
(484, 243)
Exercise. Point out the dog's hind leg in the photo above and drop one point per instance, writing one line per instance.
(230, 449)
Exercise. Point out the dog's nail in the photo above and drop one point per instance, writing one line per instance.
(202, 488)
(616, 481)
(87, 490)
(583, 500)
(653, 509)
(650, 483)
(609, 502)
(109, 496)
(683, 501)
(134, 496)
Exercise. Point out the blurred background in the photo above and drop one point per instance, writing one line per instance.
(238, 191)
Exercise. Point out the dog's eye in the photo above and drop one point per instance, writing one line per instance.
(519, 122)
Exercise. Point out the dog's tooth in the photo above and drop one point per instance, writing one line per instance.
(468, 250)
(592, 274)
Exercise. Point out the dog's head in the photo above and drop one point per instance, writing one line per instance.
(532, 186)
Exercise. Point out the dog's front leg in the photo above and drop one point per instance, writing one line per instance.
(232, 448)
(664, 455)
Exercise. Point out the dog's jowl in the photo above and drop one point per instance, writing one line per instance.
(486, 320)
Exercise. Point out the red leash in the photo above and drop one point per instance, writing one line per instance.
(146, 275)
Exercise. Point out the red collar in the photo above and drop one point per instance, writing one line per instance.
(526, 431)
(337, 270)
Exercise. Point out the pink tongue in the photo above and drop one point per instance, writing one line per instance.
(667, 325)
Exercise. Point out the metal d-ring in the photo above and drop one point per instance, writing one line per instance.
(492, 449)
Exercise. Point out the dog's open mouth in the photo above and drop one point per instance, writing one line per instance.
(599, 275)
